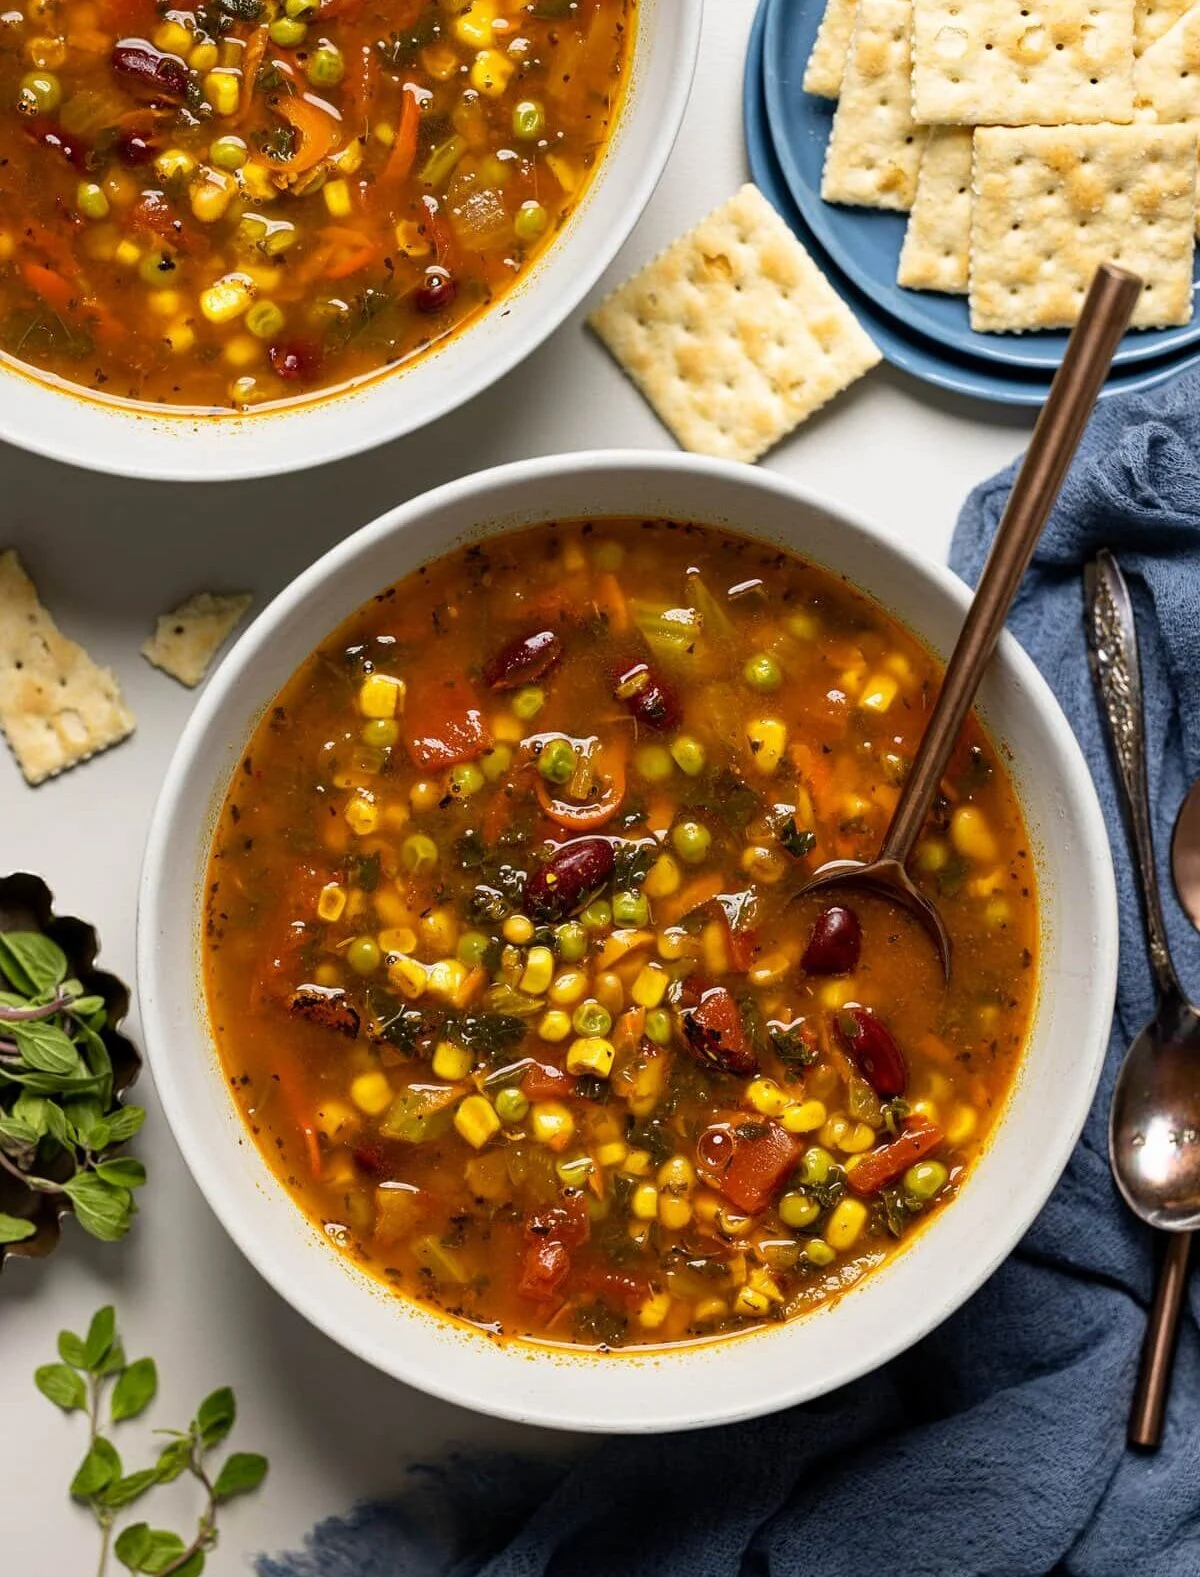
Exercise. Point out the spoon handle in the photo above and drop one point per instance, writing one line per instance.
(1149, 1409)
(1077, 385)
(1117, 671)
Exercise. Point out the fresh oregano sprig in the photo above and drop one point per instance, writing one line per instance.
(93, 1378)
(56, 1092)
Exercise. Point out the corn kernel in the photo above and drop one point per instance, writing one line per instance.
(334, 1117)
(554, 1025)
(242, 350)
(650, 986)
(172, 38)
(349, 160)
(714, 945)
(615, 1153)
(878, 693)
(834, 994)
(751, 1303)
(591, 1054)
(609, 991)
(331, 902)
(709, 1310)
(439, 931)
(569, 987)
(397, 938)
(371, 1093)
(732, 1223)
(380, 695)
(408, 976)
(761, 1280)
(474, 26)
(998, 913)
(338, 199)
(962, 1124)
(767, 740)
(803, 1116)
(539, 971)
(857, 1139)
(845, 1224)
(644, 1202)
(654, 1311)
(663, 878)
(128, 254)
(446, 978)
(362, 814)
(210, 200)
(763, 863)
(203, 57)
(409, 239)
(164, 303)
(637, 1163)
(518, 929)
(223, 91)
(173, 162)
(227, 299)
(451, 1062)
(674, 1212)
(491, 73)
(551, 1124)
(676, 943)
(476, 1120)
(971, 835)
(677, 1175)
(327, 975)
(707, 1206)
(770, 969)
(926, 1109)
(765, 1096)
(180, 338)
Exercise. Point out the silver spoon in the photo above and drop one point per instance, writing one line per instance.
(1154, 1124)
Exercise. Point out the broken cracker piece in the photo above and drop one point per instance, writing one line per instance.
(57, 707)
(936, 254)
(186, 640)
(1084, 195)
(733, 334)
(874, 151)
(1022, 62)
(827, 63)
(1152, 18)
(1166, 78)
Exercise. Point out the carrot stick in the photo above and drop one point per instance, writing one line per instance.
(404, 150)
(252, 59)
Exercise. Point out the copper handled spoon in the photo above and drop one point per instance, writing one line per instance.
(1076, 387)
(1154, 1124)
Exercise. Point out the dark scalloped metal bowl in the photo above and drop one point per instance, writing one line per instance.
(27, 904)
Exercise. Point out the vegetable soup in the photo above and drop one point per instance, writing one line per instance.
(225, 202)
(505, 961)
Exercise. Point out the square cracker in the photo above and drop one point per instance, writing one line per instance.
(57, 707)
(1022, 62)
(186, 640)
(1152, 18)
(1051, 203)
(1166, 79)
(874, 150)
(827, 63)
(733, 334)
(936, 254)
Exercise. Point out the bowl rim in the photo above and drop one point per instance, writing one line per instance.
(1092, 1026)
(150, 443)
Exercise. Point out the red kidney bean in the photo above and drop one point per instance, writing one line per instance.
(132, 148)
(522, 661)
(149, 71)
(569, 878)
(716, 1036)
(51, 136)
(835, 943)
(296, 359)
(649, 697)
(437, 290)
(875, 1053)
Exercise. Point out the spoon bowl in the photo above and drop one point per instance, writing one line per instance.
(1155, 1120)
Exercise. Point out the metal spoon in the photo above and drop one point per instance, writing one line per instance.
(1154, 1125)
(1076, 386)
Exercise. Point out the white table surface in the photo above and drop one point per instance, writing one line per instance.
(109, 555)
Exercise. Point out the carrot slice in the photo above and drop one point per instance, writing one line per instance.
(252, 59)
(885, 1165)
(51, 287)
(404, 150)
(610, 774)
(315, 126)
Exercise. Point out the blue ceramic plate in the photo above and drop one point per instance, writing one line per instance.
(920, 358)
(865, 243)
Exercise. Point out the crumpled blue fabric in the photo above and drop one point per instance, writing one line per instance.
(996, 1447)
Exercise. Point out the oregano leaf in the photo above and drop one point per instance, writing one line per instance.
(100, 1337)
(135, 1390)
(33, 963)
(14, 1230)
(125, 1171)
(215, 1416)
(62, 1385)
(133, 1545)
(124, 1491)
(71, 1349)
(101, 1209)
(241, 1472)
(97, 1471)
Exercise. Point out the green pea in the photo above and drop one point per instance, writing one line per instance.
(496, 762)
(495, 171)
(691, 841)
(925, 1180)
(381, 733)
(629, 908)
(281, 235)
(688, 755)
(510, 1105)
(325, 67)
(288, 31)
(572, 942)
(653, 763)
(528, 702)
(300, 7)
(41, 93)
(531, 221)
(598, 915)
(528, 120)
(574, 1172)
(817, 1165)
(91, 201)
(264, 319)
(818, 1252)
(762, 672)
(797, 1210)
(418, 853)
(466, 779)
(228, 153)
(591, 1018)
(472, 947)
(658, 1026)
(557, 762)
(363, 955)
(157, 269)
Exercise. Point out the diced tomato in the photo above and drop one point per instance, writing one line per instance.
(444, 725)
(746, 1160)
(891, 1161)
(617, 1288)
(743, 944)
(546, 1266)
(567, 1222)
(545, 1083)
(715, 1033)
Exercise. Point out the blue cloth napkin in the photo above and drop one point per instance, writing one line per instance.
(996, 1446)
